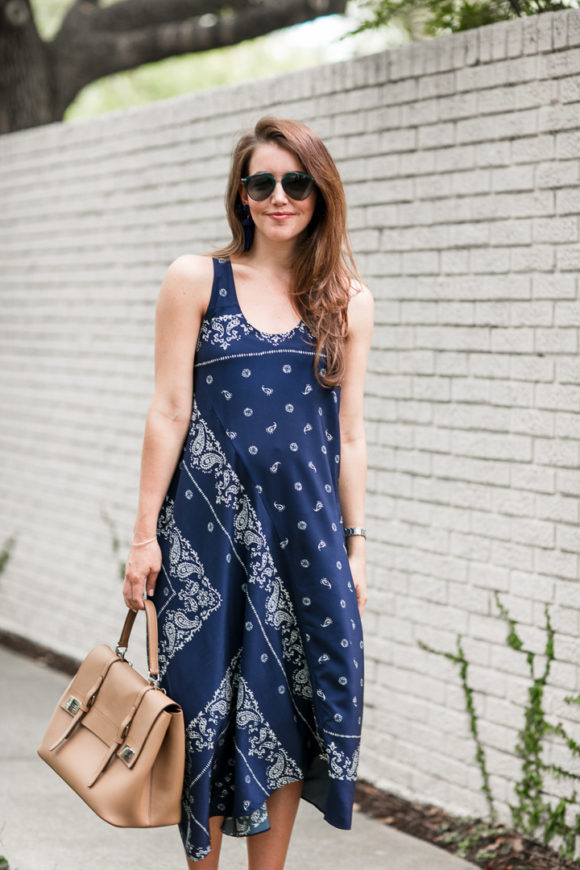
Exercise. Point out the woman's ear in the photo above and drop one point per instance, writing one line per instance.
(242, 193)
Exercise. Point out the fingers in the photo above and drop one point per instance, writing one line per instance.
(141, 572)
(135, 605)
(361, 597)
(151, 582)
(133, 590)
(358, 571)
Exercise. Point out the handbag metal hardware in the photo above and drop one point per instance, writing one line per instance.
(72, 705)
(121, 651)
(126, 753)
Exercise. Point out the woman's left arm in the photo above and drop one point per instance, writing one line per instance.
(353, 449)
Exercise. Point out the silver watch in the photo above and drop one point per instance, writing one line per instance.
(355, 530)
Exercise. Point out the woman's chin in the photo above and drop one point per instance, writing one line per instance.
(280, 234)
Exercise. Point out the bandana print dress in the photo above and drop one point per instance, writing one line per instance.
(260, 638)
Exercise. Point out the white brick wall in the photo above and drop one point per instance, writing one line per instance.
(461, 159)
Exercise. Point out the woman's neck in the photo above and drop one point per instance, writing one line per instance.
(271, 257)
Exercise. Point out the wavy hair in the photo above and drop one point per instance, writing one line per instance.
(323, 270)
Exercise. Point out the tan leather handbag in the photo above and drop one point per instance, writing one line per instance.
(117, 739)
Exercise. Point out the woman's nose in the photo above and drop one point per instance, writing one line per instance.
(278, 194)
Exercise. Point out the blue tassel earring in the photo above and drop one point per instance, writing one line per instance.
(248, 225)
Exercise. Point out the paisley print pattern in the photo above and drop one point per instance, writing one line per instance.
(260, 637)
(235, 698)
(205, 452)
(186, 578)
(230, 328)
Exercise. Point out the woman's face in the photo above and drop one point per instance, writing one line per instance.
(278, 218)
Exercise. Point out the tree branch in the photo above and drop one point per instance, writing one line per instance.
(132, 14)
(515, 6)
(82, 55)
(191, 36)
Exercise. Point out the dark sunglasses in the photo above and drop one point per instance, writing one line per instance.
(297, 185)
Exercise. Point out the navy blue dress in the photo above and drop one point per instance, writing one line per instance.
(260, 638)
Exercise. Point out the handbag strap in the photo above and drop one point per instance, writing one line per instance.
(152, 639)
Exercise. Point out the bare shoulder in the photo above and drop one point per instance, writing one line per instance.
(360, 308)
(188, 282)
(194, 267)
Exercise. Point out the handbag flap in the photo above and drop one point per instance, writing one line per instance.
(125, 710)
(154, 704)
(115, 702)
(87, 679)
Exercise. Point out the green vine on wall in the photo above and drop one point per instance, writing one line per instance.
(533, 811)
(460, 660)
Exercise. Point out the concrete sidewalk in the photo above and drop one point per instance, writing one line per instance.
(45, 826)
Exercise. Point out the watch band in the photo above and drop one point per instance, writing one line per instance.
(355, 530)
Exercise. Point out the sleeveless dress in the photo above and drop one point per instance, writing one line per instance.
(260, 638)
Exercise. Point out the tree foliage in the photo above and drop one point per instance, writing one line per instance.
(433, 17)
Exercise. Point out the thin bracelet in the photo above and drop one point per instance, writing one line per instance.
(355, 530)
(142, 543)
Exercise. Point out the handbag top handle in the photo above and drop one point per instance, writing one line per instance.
(152, 640)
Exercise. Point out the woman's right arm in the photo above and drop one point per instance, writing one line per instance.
(182, 302)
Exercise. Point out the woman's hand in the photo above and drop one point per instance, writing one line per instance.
(141, 572)
(358, 569)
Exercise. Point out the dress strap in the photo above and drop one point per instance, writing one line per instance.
(223, 293)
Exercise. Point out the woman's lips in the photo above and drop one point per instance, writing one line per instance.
(280, 215)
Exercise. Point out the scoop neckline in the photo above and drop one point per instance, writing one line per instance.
(264, 332)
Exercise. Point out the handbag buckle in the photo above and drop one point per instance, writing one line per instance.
(72, 705)
(126, 754)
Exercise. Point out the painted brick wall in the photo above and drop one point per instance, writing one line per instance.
(461, 159)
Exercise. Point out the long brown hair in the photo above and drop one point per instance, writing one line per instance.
(324, 269)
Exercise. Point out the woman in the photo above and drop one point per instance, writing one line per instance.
(248, 540)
